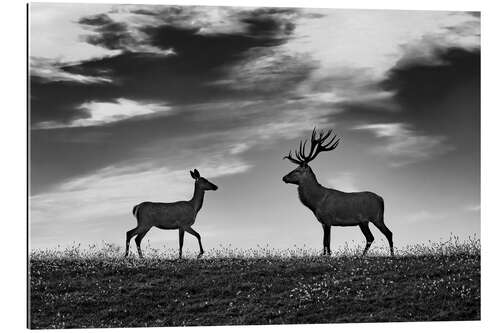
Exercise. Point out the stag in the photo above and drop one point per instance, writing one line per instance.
(332, 207)
(170, 216)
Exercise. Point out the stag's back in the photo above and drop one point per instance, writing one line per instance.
(347, 208)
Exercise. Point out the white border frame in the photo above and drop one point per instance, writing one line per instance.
(14, 140)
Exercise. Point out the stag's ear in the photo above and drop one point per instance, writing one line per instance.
(192, 174)
(196, 173)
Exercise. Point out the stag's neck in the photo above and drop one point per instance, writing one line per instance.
(197, 200)
(311, 193)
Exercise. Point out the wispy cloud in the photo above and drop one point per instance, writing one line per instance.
(51, 71)
(102, 113)
(404, 144)
(122, 35)
(344, 181)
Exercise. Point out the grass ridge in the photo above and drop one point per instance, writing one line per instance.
(96, 287)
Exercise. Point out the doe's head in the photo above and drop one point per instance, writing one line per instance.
(203, 183)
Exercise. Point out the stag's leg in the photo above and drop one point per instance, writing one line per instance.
(138, 240)
(198, 237)
(387, 233)
(368, 235)
(131, 233)
(329, 240)
(181, 241)
(326, 239)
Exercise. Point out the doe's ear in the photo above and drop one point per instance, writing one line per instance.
(196, 173)
(192, 174)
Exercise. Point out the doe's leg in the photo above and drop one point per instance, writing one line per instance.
(131, 233)
(387, 233)
(324, 238)
(138, 240)
(368, 235)
(198, 237)
(181, 241)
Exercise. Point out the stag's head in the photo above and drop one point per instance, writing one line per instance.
(319, 142)
(203, 183)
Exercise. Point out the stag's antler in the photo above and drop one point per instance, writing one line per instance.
(317, 145)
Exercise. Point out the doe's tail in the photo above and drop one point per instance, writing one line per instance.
(135, 210)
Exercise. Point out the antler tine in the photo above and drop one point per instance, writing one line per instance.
(312, 148)
(298, 152)
(318, 137)
(302, 150)
(313, 135)
(291, 159)
(323, 136)
(317, 145)
(329, 146)
(320, 143)
(297, 156)
(327, 134)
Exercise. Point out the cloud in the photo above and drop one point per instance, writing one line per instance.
(418, 84)
(428, 49)
(404, 145)
(376, 39)
(268, 71)
(102, 113)
(165, 55)
(366, 47)
(343, 181)
(55, 35)
(160, 29)
(51, 71)
(211, 19)
(116, 35)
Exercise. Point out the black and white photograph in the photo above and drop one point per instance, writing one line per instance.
(194, 165)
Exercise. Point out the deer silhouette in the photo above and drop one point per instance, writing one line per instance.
(179, 215)
(332, 207)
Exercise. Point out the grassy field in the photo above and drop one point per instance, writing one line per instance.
(99, 288)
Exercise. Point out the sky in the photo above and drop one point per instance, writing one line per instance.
(126, 99)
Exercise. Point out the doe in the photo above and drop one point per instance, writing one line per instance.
(170, 216)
